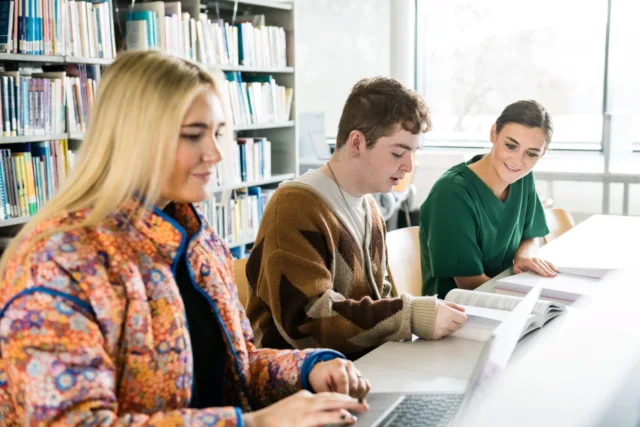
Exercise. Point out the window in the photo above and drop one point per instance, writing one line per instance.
(624, 65)
(476, 57)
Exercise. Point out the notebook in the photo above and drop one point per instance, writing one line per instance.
(485, 311)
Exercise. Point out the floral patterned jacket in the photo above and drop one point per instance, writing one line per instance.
(93, 330)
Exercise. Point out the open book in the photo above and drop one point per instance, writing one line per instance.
(570, 284)
(486, 311)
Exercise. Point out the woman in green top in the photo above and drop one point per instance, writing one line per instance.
(482, 216)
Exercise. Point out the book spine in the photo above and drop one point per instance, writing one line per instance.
(4, 213)
(243, 162)
(18, 106)
(6, 102)
(11, 186)
(5, 187)
(31, 184)
(46, 113)
(13, 106)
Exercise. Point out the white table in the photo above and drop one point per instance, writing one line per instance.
(447, 364)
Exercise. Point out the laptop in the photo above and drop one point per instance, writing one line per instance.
(442, 409)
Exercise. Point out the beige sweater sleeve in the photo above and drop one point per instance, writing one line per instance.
(423, 316)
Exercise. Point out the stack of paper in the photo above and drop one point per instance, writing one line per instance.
(570, 284)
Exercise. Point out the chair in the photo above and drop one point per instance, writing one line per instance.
(240, 274)
(559, 222)
(403, 247)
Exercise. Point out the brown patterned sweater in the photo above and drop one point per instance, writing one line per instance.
(312, 285)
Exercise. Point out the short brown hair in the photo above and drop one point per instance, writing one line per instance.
(376, 105)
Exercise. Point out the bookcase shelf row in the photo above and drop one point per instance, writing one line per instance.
(260, 126)
(263, 3)
(241, 243)
(80, 135)
(33, 138)
(36, 138)
(14, 221)
(244, 69)
(271, 180)
(48, 59)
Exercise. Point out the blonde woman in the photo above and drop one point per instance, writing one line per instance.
(117, 301)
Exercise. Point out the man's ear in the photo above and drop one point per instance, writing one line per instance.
(356, 141)
(493, 135)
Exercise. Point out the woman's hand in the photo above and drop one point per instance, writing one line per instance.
(305, 409)
(341, 376)
(537, 265)
(449, 318)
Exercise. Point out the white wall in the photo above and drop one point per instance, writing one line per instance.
(338, 42)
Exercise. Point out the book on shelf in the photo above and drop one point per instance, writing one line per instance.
(568, 285)
(30, 174)
(260, 45)
(237, 218)
(81, 89)
(46, 103)
(486, 311)
(253, 158)
(167, 27)
(89, 29)
(248, 160)
(32, 104)
(57, 27)
(257, 99)
(145, 26)
(140, 27)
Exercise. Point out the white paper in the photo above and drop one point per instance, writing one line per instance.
(593, 272)
(564, 286)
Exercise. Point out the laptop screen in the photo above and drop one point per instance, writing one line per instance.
(497, 351)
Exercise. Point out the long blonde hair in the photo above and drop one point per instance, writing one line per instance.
(130, 143)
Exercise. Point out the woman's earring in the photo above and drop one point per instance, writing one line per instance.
(356, 155)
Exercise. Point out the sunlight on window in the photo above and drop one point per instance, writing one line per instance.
(476, 57)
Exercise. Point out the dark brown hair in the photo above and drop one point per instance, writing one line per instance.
(376, 106)
(528, 113)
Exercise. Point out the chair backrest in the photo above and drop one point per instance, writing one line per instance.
(403, 247)
(240, 273)
(559, 222)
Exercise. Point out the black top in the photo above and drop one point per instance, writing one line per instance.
(207, 343)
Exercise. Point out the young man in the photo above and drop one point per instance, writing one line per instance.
(318, 273)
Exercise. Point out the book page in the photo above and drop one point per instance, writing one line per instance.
(493, 301)
(480, 323)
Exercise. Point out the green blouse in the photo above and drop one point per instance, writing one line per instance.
(465, 230)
